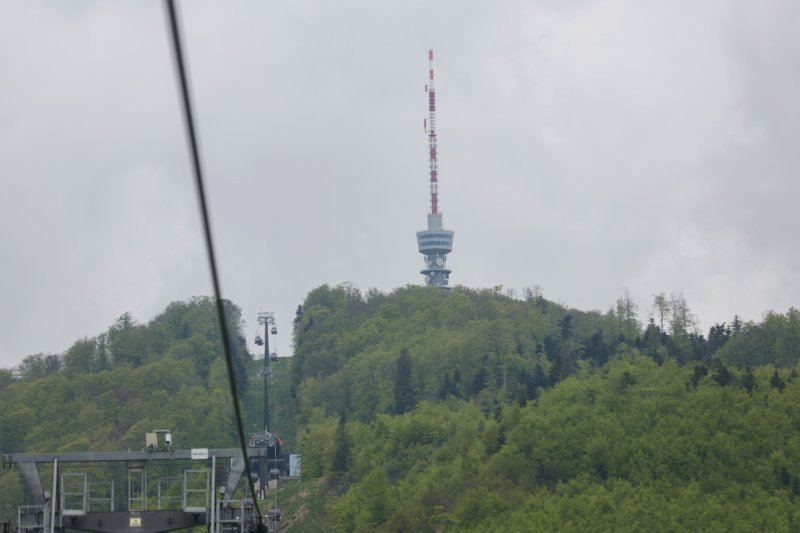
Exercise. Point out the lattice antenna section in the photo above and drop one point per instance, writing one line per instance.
(431, 130)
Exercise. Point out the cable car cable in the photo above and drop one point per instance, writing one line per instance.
(212, 263)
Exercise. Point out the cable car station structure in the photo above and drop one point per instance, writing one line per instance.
(77, 501)
(86, 493)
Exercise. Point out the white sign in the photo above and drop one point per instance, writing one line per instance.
(199, 453)
(135, 522)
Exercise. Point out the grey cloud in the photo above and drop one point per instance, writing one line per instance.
(585, 147)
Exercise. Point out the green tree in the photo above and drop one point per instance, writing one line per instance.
(661, 309)
(298, 316)
(403, 389)
(627, 316)
(342, 460)
(538, 380)
(6, 378)
(81, 357)
(723, 376)
(749, 381)
(776, 381)
(38, 366)
(682, 320)
(126, 341)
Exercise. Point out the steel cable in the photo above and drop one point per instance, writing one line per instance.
(180, 66)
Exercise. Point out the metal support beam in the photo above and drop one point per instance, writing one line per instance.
(31, 475)
(99, 457)
(212, 522)
(135, 522)
(234, 476)
(53, 496)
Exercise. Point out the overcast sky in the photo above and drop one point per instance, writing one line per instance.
(584, 146)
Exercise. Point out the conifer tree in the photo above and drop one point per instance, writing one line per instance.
(776, 382)
(340, 467)
(403, 392)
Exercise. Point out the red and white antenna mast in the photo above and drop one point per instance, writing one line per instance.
(431, 130)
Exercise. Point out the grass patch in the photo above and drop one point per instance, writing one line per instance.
(302, 504)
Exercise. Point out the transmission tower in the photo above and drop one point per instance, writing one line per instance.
(435, 242)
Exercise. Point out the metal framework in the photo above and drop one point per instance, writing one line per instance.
(266, 319)
(78, 503)
(431, 129)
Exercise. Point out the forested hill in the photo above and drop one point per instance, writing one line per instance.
(132, 376)
(425, 410)
(366, 354)
(104, 392)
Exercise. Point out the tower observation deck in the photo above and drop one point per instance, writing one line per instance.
(435, 242)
